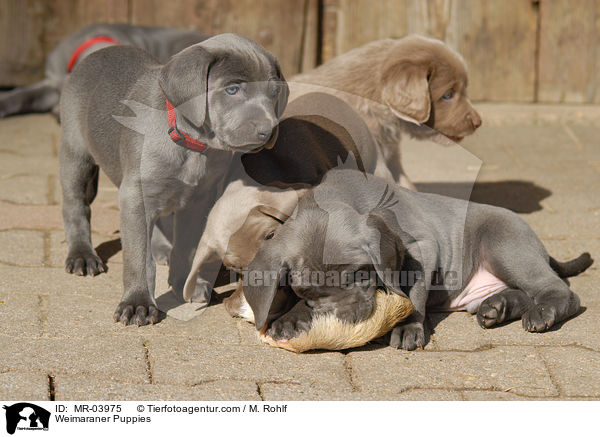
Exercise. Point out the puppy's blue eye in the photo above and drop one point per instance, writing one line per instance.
(270, 235)
(448, 95)
(232, 90)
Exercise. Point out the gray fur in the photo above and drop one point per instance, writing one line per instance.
(155, 176)
(357, 221)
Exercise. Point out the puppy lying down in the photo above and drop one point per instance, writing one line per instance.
(328, 332)
(358, 231)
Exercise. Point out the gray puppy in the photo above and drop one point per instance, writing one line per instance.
(451, 254)
(214, 98)
(44, 96)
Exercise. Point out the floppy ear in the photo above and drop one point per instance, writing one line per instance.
(261, 283)
(387, 254)
(184, 80)
(284, 93)
(405, 89)
(274, 213)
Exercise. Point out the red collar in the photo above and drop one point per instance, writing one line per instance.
(86, 45)
(179, 137)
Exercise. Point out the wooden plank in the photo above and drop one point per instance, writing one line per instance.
(30, 29)
(310, 41)
(496, 38)
(64, 17)
(568, 58)
(276, 25)
(21, 42)
(498, 41)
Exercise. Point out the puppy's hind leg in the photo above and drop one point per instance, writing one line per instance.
(509, 304)
(518, 258)
(79, 180)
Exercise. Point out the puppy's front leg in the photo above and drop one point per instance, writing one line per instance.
(205, 268)
(292, 323)
(410, 333)
(139, 271)
(189, 226)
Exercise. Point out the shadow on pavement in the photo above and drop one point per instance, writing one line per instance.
(518, 196)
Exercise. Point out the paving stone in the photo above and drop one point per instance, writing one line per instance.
(476, 395)
(248, 333)
(185, 361)
(55, 281)
(18, 386)
(302, 392)
(39, 217)
(212, 326)
(588, 139)
(518, 369)
(74, 388)
(574, 369)
(587, 286)
(84, 317)
(24, 190)
(112, 357)
(12, 163)
(22, 247)
(460, 331)
(20, 315)
(17, 136)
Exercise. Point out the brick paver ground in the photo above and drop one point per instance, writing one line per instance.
(56, 330)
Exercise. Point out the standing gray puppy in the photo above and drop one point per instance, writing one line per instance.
(214, 98)
(442, 252)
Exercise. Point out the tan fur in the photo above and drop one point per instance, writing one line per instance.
(397, 85)
(328, 332)
(237, 225)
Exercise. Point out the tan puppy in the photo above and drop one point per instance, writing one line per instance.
(243, 217)
(413, 84)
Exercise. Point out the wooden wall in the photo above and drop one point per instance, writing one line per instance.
(517, 50)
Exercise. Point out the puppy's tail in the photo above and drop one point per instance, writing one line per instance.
(573, 267)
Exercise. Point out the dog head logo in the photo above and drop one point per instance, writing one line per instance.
(25, 416)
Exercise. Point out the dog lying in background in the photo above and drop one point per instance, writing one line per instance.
(212, 99)
(316, 133)
(44, 96)
(356, 229)
(414, 84)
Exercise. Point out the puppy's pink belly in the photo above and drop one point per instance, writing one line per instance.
(481, 286)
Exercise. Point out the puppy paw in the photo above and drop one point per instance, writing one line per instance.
(288, 326)
(84, 262)
(408, 336)
(539, 318)
(492, 311)
(202, 292)
(137, 309)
